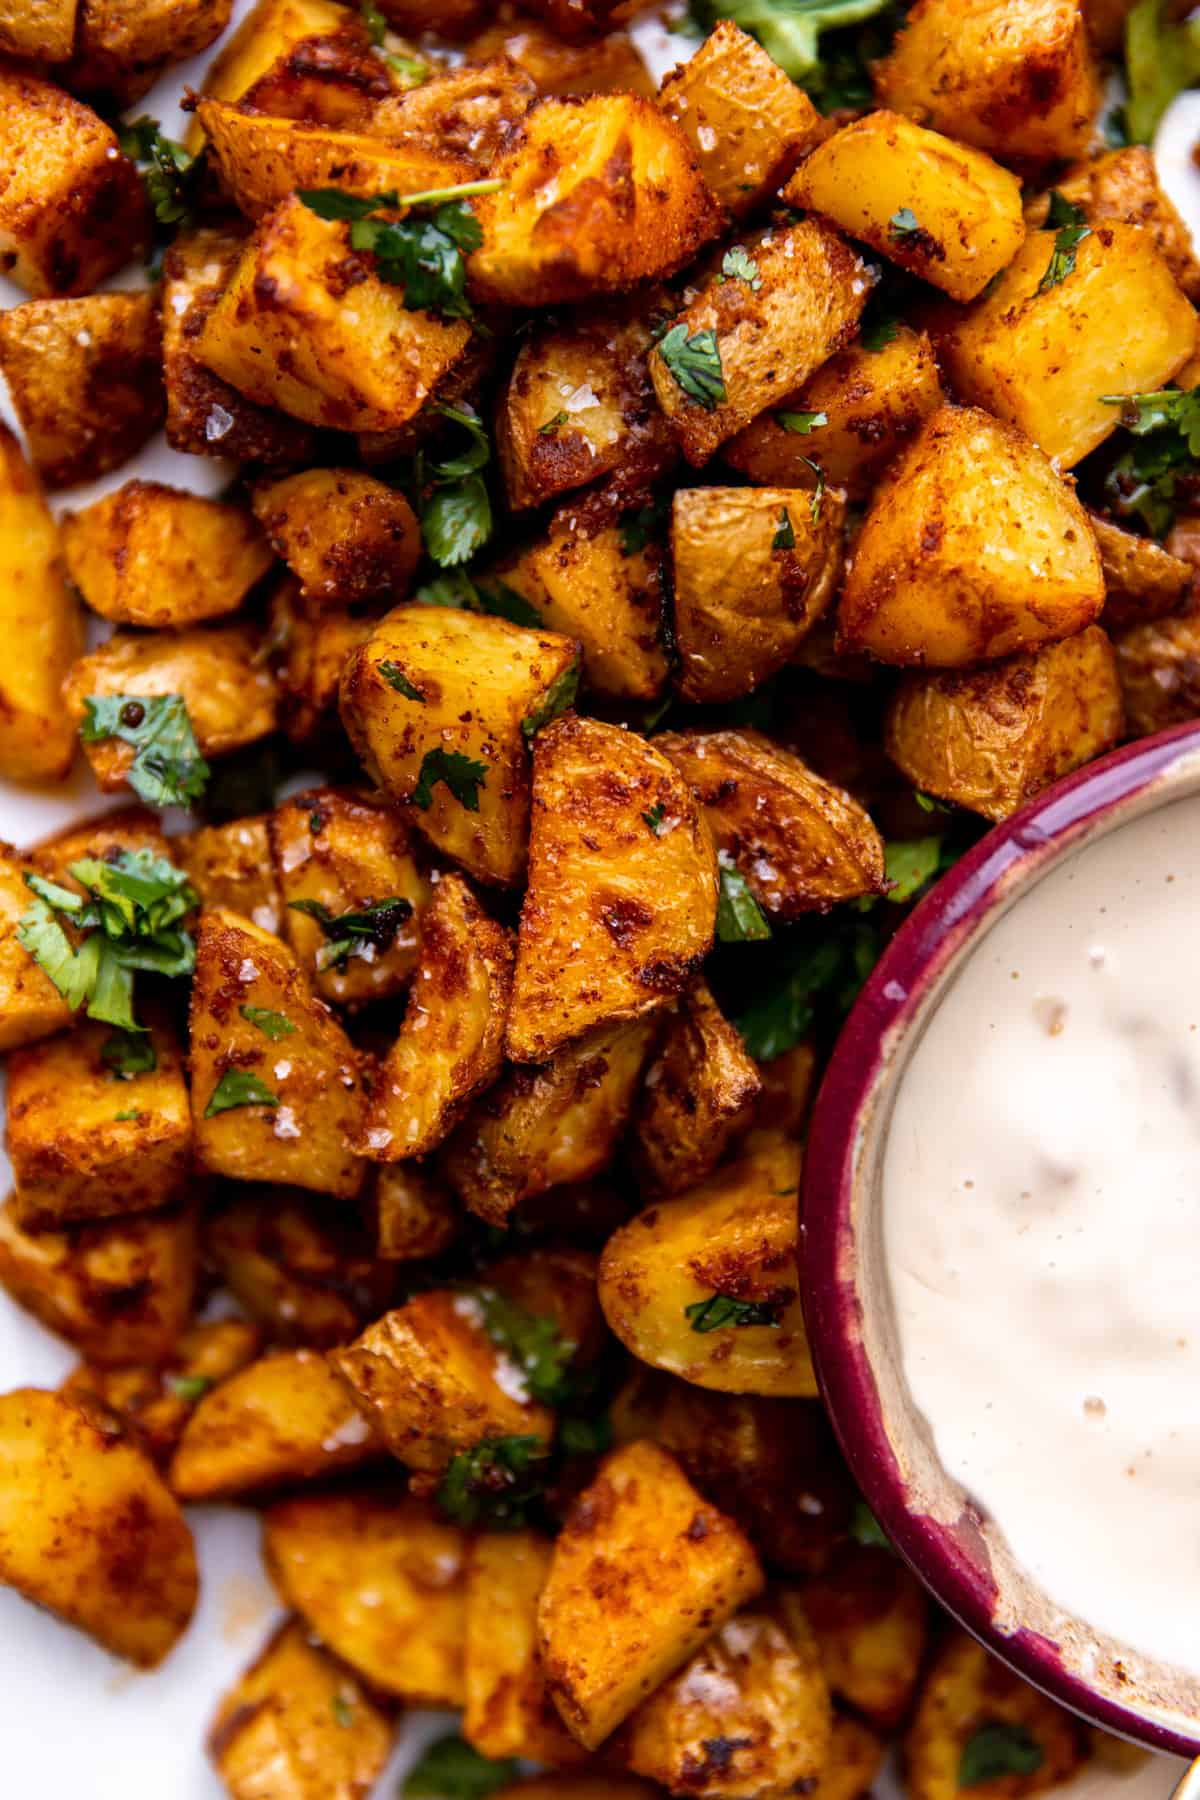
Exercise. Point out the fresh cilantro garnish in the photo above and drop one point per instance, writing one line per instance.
(802, 422)
(739, 917)
(237, 1087)
(451, 1770)
(504, 602)
(866, 1529)
(189, 1387)
(585, 1437)
(533, 1342)
(133, 1113)
(910, 865)
(168, 170)
(789, 30)
(1114, 128)
(1144, 413)
(785, 536)
(720, 1310)
(395, 677)
(412, 72)
(1157, 473)
(1070, 228)
(1162, 57)
(316, 823)
(128, 1054)
(878, 332)
(552, 425)
(461, 774)
(370, 929)
(273, 1025)
(928, 803)
(817, 974)
(167, 768)
(495, 1482)
(456, 511)
(654, 818)
(343, 1711)
(374, 21)
(738, 265)
(637, 529)
(425, 255)
(695, 364)
(903, 225)
(814, 511)
(996, 1749)
(556, 699)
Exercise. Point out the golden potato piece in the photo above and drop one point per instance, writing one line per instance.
(990, 739)
(705, 1285)
(38, 30)
(285, 1418)
(619, 911)
(855, 1757)
(507, 1711)
(1122, 187)
(468, 111)
(269, 1107)
(1159, 670)
(39, 612)
(230, 866)
(133, 37)
(88, 1530)
(698, 1096)
(85, 378)
(127, 828)
(934, 578)
(416, 1214)
(31, 1007)
(642, 1574)
(382, 1582)
(268, 31)
(1142, 579)
(789, 1083)
(298, 1725)
(317, 644)
(607, 65)
(331, 78)
(598, 194)
(755, 569)
(347, 537)
(871, 1621)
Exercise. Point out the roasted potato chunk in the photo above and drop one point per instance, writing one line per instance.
(230, 866)
(855, 1757)
(128, 40)
(1159, 669)
(933, 579)
(468, 111)
(1123, 188)
(1142, 579)
(508, 1712)
(416, 1214)
(870, 1619)
(39, 612)
(643, 1572)
(269, 1104)
(316, 646)
(698, 1096)
(704, 1286)
(31, 1007)
(88, 1530)
(607, 65)
(347, 537)
(268, 32)
(331, 79)
(580, 1787)
(127, 828)
(990, 739)
(39, 30)
(382, 1582)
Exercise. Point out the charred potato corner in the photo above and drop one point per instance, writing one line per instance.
(668, 524)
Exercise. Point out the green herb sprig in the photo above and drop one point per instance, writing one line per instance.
(370, 928)
(167, 768)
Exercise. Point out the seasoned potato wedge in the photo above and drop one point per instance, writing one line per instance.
(607, 65)
(31, 1007)
(39, 612)
(39, 30)
(990, 739)
(1123, 188)
(468, 111)
(618, 911)
(698, 1096)
(126, 828)
(1142, 579)
(801, 843)
(416, 1214)
(88, 1530)
(347, 537)
(332, 78)
(870, 1618)
(933, 579)
(788, 1084)
(508, 1712)
(643, 1572)
(302, 1131)
(1159, 669)
(230, 866)
(268, 31)
(382, 1582)
(316, 646)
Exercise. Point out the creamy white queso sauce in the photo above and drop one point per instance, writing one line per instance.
(1041, 1208)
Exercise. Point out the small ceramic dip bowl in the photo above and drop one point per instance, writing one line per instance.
(942, 1531)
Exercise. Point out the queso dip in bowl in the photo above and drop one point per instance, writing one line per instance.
(1001, 1241)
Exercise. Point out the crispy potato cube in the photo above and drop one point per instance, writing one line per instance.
(39, 612)
(871, 1622)
(316, 647)
(558, 1284)
(1142, 579)
(508, 1712)
(136, 35)
(38, 30)
(1159, 669)
(382, 1582)
(154, 1401)
(810, 290)
(1122, 187)
(31, 1007)
(1116, 324)
(677, 1281)
(416, 1214)
(293, 1712)
(303, 1133)
(618, 913)
(598, 194)
(128, 828)
(754, 571)
(285, 1418)
(541, 1127)
(451, 1042)
(157, 556)
(873, 401)
(230, 866)
(83, 1161)
(607, 65)
(327, 79)
(347, 537)
(801, 843)
(267, 32)
(433, 1383)
(440, 706)
(934, 578)
(120, 1290)
(72, 208)
(642, 1574)
(698, 1096)
(283, 335)
(990, 739)
(1018, 81)
(467, 111)
(86, 381)
(88, 1530)
(346, 852)
(882, 168)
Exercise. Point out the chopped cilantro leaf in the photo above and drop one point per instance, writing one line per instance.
(167, 768)
(654, 818)
(721, 1310)
(395, 677)
(1070, 228)
(739, 917)
(695, 364)
(910, 865)
(738, 265)
(168, 169)
(273, 1025)
(461, 774)
(532, 1341)
(785, 536)
(1162, 58)
(374, 21)
(504, 602)
(865, 1528)
(555, 701)
(423, 253)
(452, 1770)
(343, 1711)
(802, 422)
(552, 425)
(496, 1482)
(133, 1113)
(128, 1054)
(903, 225)
(637, 529)
(188, 1387)
(996, 1749)
(370, 928)
(411, 71)
(585, 1437)
(789, 30)
(237, 1087)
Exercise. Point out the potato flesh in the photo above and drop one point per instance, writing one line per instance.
(38, 611)
(508, 1712)
(349, 538)
(31, 1007)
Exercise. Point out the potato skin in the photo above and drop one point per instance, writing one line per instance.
(1159, 669)
(38, 611)
(508, 1712)
(469, 111)
(349, 538)
(697, 1098)
(39, 30)
(1142, 579)
(607, 65)
(416, 1214)
(871, 1622)
(317, 645)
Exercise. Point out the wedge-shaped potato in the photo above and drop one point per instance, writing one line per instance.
(755, 569)
(761, 340)
(72, 208)
(86, 381)
(39, 612)
(747, 123)
(269, 1108)
(873, 402)
(801, 843)
(157, 556)
(467, 111)
(607, 65)
(598, 194)
(230, 866)
(39, 30)
(382, 1582)
(433, 1383)
(748, 1715)
(451, 1042)
(1019, 81)
(1159, 669)
(268, 31)
(340, 853)
(643, 1573)
(440, 706)
(327, 79)
(283, 335)
(121, 1291)
(990, 739)
(416, 1215)
(31, 1007)
(1115, 324)
(698, 1096)
(1123, 188)
(88, 1530)
(295, 1712)
(219, 672)
(541, 1127)
(316, 647)
(940, 210)
(122, 1145)
(286, 1418)
(1142, 579)
(855, 1758)
(935, 577)
(871, 1621)
(508, 1712)
(618, 912)
(965, 1690)
(347, 537)
(704, 1286)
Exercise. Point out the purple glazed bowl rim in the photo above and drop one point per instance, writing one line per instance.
(906, 979)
